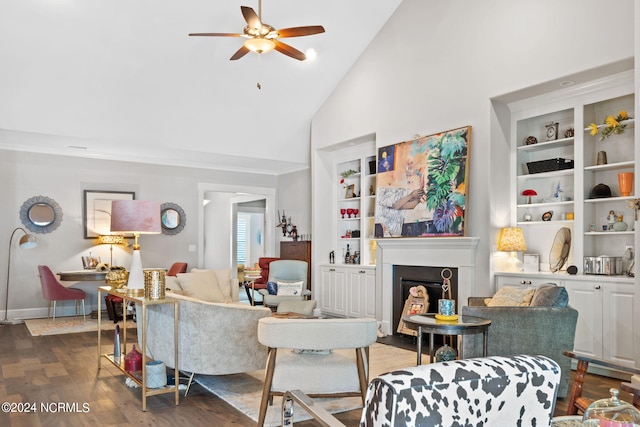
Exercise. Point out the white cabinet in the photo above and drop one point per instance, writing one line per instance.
(516, 279)
(333, 290)
(605, 304)
(361, 300)
(605, 327)
(348, 291)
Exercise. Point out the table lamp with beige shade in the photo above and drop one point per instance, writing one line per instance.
(511, 239)
(135, 217)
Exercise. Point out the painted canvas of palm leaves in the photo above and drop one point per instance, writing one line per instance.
(423, 193)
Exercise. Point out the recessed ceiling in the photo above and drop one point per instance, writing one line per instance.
(123, 80)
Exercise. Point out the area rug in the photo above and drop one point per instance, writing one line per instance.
(244, 391)
(67, 325)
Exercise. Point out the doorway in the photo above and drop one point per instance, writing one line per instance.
(220, 208)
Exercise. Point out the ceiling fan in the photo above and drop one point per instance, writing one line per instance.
(262, 38)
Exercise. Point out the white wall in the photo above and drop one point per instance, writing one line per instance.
(435, 65)
(24, 175)
(218, 223)
(294, 196)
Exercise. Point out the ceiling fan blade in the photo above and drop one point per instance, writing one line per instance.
(239, 53)
(251, 17)
(217, 34)
(300, 31)
(289, 51)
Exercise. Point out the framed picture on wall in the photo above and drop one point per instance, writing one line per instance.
(96, 217)
(422, 186)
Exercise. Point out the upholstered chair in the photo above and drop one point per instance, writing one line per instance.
(260, 282)
(53, 290)
(177, 267)
(286, 272)
(492, 391)
(322, 357)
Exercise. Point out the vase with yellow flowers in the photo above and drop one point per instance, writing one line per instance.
(613, 125)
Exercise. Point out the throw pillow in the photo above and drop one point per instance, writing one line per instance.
(550, 295)
(171, 283)
(511, 296)
(222, 277)
(290, 288)
(272, 288)
(202, 285)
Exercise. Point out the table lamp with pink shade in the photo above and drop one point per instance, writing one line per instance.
(135, 217)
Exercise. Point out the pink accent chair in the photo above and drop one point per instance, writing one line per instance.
(53, 290)
(177, 267)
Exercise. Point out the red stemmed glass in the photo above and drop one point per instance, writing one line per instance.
(343, 211)
(355, 212)
(349, 212)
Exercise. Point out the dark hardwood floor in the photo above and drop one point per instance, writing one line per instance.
(62, 369)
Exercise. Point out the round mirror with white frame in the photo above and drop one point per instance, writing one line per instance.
(41, 214)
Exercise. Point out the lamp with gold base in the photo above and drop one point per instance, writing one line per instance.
(135, 217)
(511, 239)
(111, 239)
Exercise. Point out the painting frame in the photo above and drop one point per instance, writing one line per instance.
(414, 304)
(421, 186)
(97, 210)
(349, 192)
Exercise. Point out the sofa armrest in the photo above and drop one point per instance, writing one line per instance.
(476, 301)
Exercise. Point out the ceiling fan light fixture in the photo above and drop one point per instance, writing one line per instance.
(259, 45)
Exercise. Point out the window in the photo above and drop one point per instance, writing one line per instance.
(242, 239)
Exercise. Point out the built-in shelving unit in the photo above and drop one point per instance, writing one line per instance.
(605, 302)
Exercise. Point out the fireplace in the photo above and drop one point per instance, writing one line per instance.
(457, 253)
(406, 276)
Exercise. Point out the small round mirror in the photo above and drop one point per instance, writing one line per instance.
(41, 214)
(173, 218)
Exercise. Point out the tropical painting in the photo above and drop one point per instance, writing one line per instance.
(421, 186)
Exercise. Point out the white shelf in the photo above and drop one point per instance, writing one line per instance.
(552, 222)
(609, 233)
(610, 166)
(552, 174)
(564, 142)
(608, 199)
(546, 204)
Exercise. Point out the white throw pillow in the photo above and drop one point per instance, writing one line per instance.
(172, 283)
(223, 279)
(290, 288)
(202, 286)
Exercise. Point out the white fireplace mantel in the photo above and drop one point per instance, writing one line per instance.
(453, 252)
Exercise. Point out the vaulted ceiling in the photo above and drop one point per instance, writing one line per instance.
(118, 79)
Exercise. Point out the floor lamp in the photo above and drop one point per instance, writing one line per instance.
(27, 241)
(135, 217)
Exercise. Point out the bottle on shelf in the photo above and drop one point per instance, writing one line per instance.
(347, 255)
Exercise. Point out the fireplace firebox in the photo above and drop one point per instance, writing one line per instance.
(407, 276)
